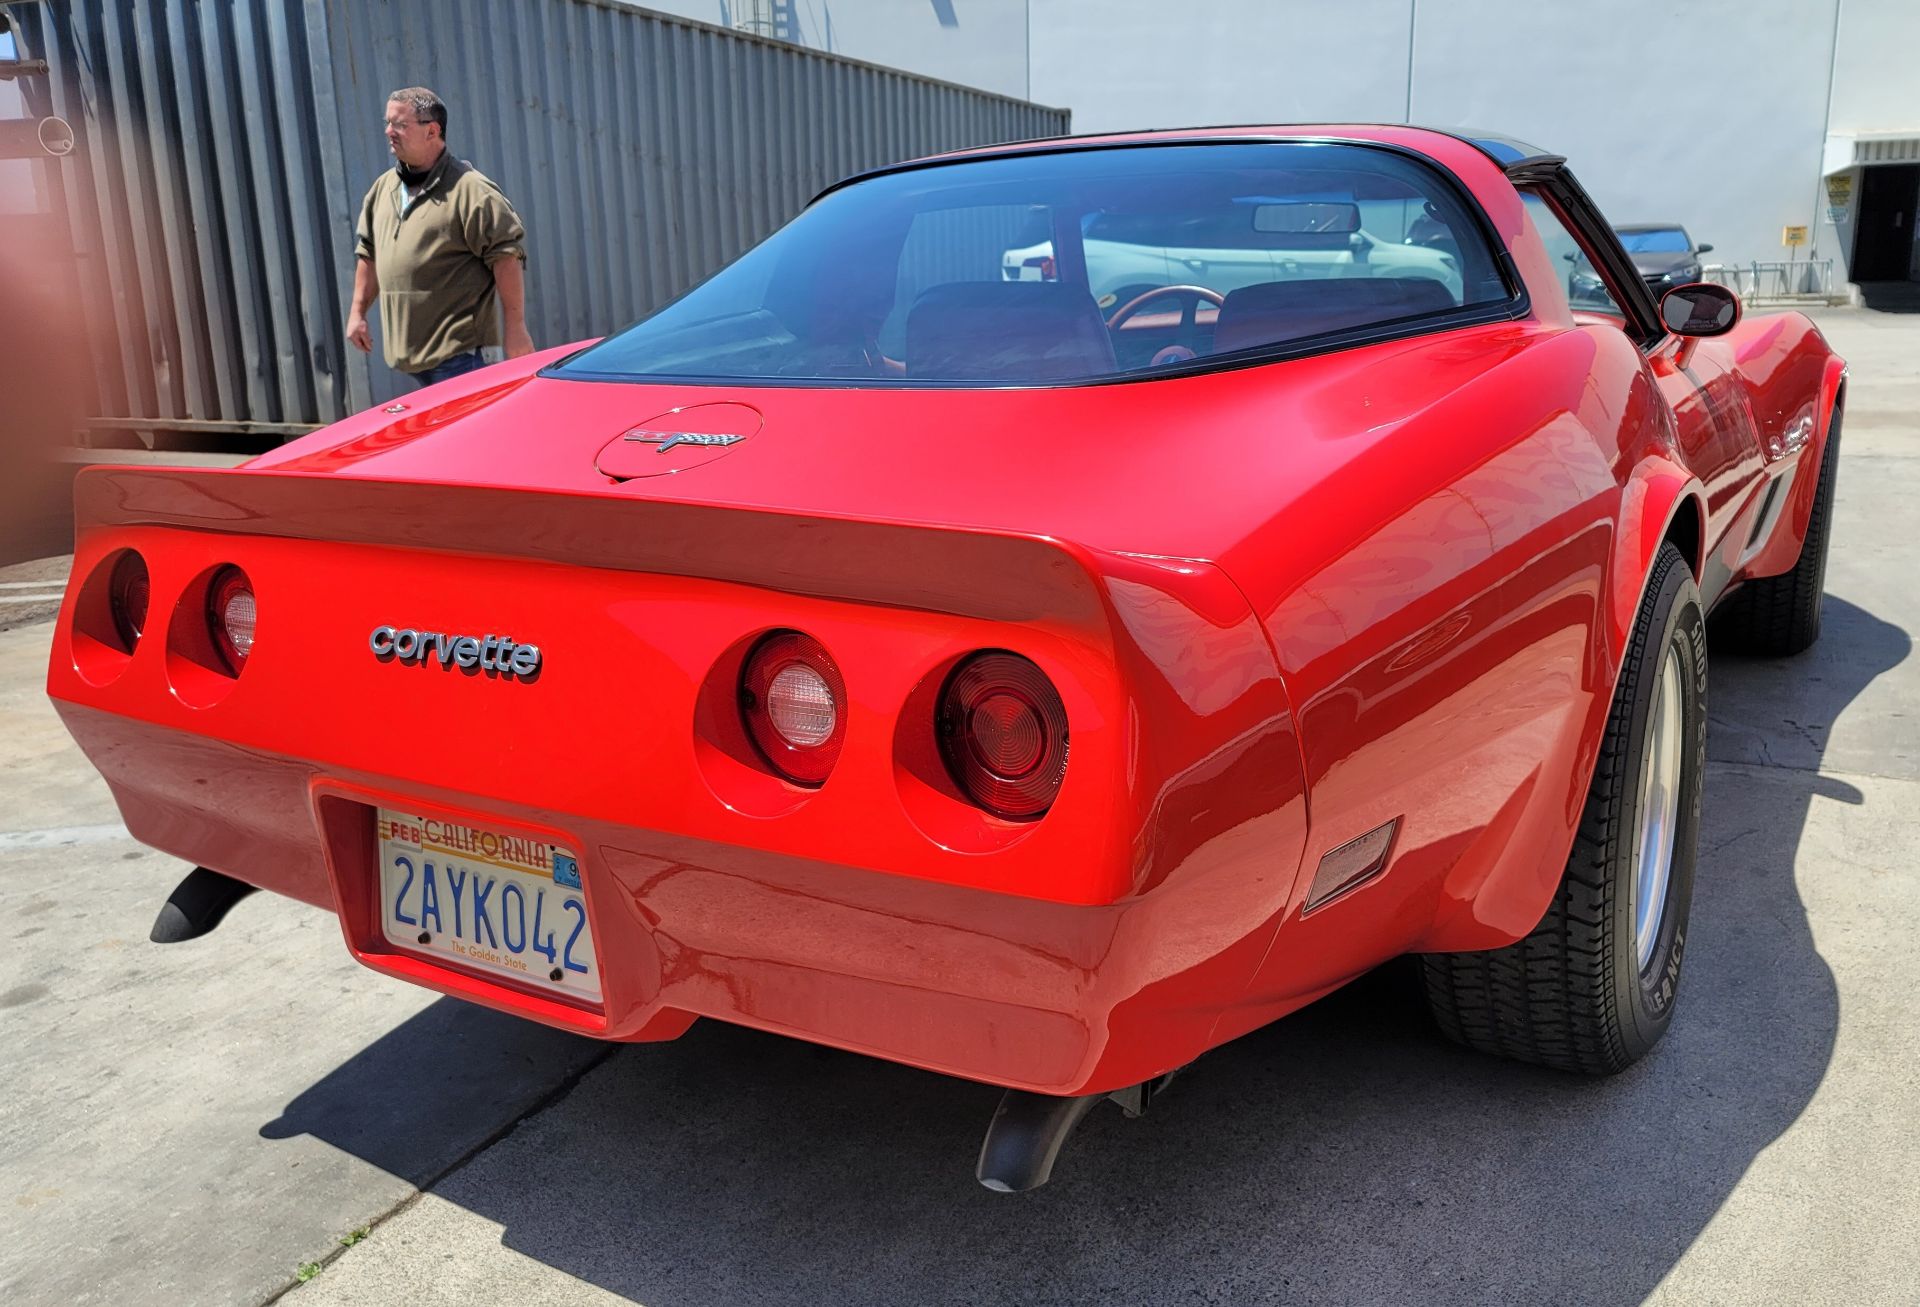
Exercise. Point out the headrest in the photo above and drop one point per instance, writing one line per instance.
(1275, 311)
(1012, 331)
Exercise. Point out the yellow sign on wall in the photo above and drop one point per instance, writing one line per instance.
(1793, 236)
(1839, 197)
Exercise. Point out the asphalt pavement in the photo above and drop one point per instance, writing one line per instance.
(209, 1123)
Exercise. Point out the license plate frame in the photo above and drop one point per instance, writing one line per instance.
(431, 873)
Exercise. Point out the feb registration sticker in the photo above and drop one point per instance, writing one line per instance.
(509, 905)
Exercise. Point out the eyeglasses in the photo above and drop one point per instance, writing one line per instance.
(401, 124)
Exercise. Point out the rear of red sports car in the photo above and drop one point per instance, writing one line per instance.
(613, 755)
(887, 649)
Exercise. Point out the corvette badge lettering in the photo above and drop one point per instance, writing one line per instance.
(668, 439)
(487, 653)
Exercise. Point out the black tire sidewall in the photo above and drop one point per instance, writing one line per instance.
(1811, 571)
(1670, 619)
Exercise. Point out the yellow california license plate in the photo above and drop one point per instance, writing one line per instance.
(510, 905)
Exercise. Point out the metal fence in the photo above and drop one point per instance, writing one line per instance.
(1784, 281)
(224, 147)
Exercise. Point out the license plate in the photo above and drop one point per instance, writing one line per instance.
(510, 905)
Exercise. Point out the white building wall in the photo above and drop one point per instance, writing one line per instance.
(1876, 67)
(1711, 113)
(1121, 64)
(1714, 113)
(1701, 112)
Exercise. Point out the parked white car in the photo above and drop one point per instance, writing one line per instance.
(1235, 256)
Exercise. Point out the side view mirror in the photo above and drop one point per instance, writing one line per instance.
(1701, 309)
(1701, 249)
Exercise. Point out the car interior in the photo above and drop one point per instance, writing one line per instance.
(1025, 332)
(1054, 270)
(1153, 285)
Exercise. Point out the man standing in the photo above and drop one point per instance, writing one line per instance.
(439, 244)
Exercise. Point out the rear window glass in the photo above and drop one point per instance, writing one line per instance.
(1075, 266)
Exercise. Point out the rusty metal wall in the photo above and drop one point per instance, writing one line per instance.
(224, 147)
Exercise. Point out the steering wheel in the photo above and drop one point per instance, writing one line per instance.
(1191, 294)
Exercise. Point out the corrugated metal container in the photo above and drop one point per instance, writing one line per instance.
(225, 146)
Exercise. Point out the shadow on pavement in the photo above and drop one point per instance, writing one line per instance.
(419, 1101)
(1343, 1155)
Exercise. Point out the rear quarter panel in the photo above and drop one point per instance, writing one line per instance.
(1441, 593)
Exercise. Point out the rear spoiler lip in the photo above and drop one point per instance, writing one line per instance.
(988, 574)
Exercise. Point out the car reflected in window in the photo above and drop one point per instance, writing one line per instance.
(1079, 265)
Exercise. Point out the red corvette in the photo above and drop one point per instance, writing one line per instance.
(1039, 668)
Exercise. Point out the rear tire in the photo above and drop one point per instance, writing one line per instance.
(1775, 616)
(1592, 987)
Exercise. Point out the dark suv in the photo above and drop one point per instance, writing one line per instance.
(1663, 252)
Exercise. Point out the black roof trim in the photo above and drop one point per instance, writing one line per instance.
(1536, 168)
(1073, 145)
(1503, 150)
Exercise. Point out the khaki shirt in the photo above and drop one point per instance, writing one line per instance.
(433, 258)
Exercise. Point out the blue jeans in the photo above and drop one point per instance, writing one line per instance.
(453, 367)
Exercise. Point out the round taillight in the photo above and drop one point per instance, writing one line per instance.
(128, 593)
(231, 616)
(1003, 734)
(794, 705)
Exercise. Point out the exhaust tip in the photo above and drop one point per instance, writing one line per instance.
(196, 906)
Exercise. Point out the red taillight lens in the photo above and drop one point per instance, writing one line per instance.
(1003, 733)
(230, 617)
(128, 594)
(794, 705)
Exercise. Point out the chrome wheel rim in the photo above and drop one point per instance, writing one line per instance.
(1659, 809)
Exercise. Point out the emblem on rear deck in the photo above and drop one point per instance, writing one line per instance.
(499, 655)
(668, 439)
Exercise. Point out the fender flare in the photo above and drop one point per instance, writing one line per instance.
(1658, 491)
(1832, 378)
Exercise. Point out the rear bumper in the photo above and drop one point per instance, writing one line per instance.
(1052, 997)
(881, 912)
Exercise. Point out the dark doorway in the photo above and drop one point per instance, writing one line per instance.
(1883, 233)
